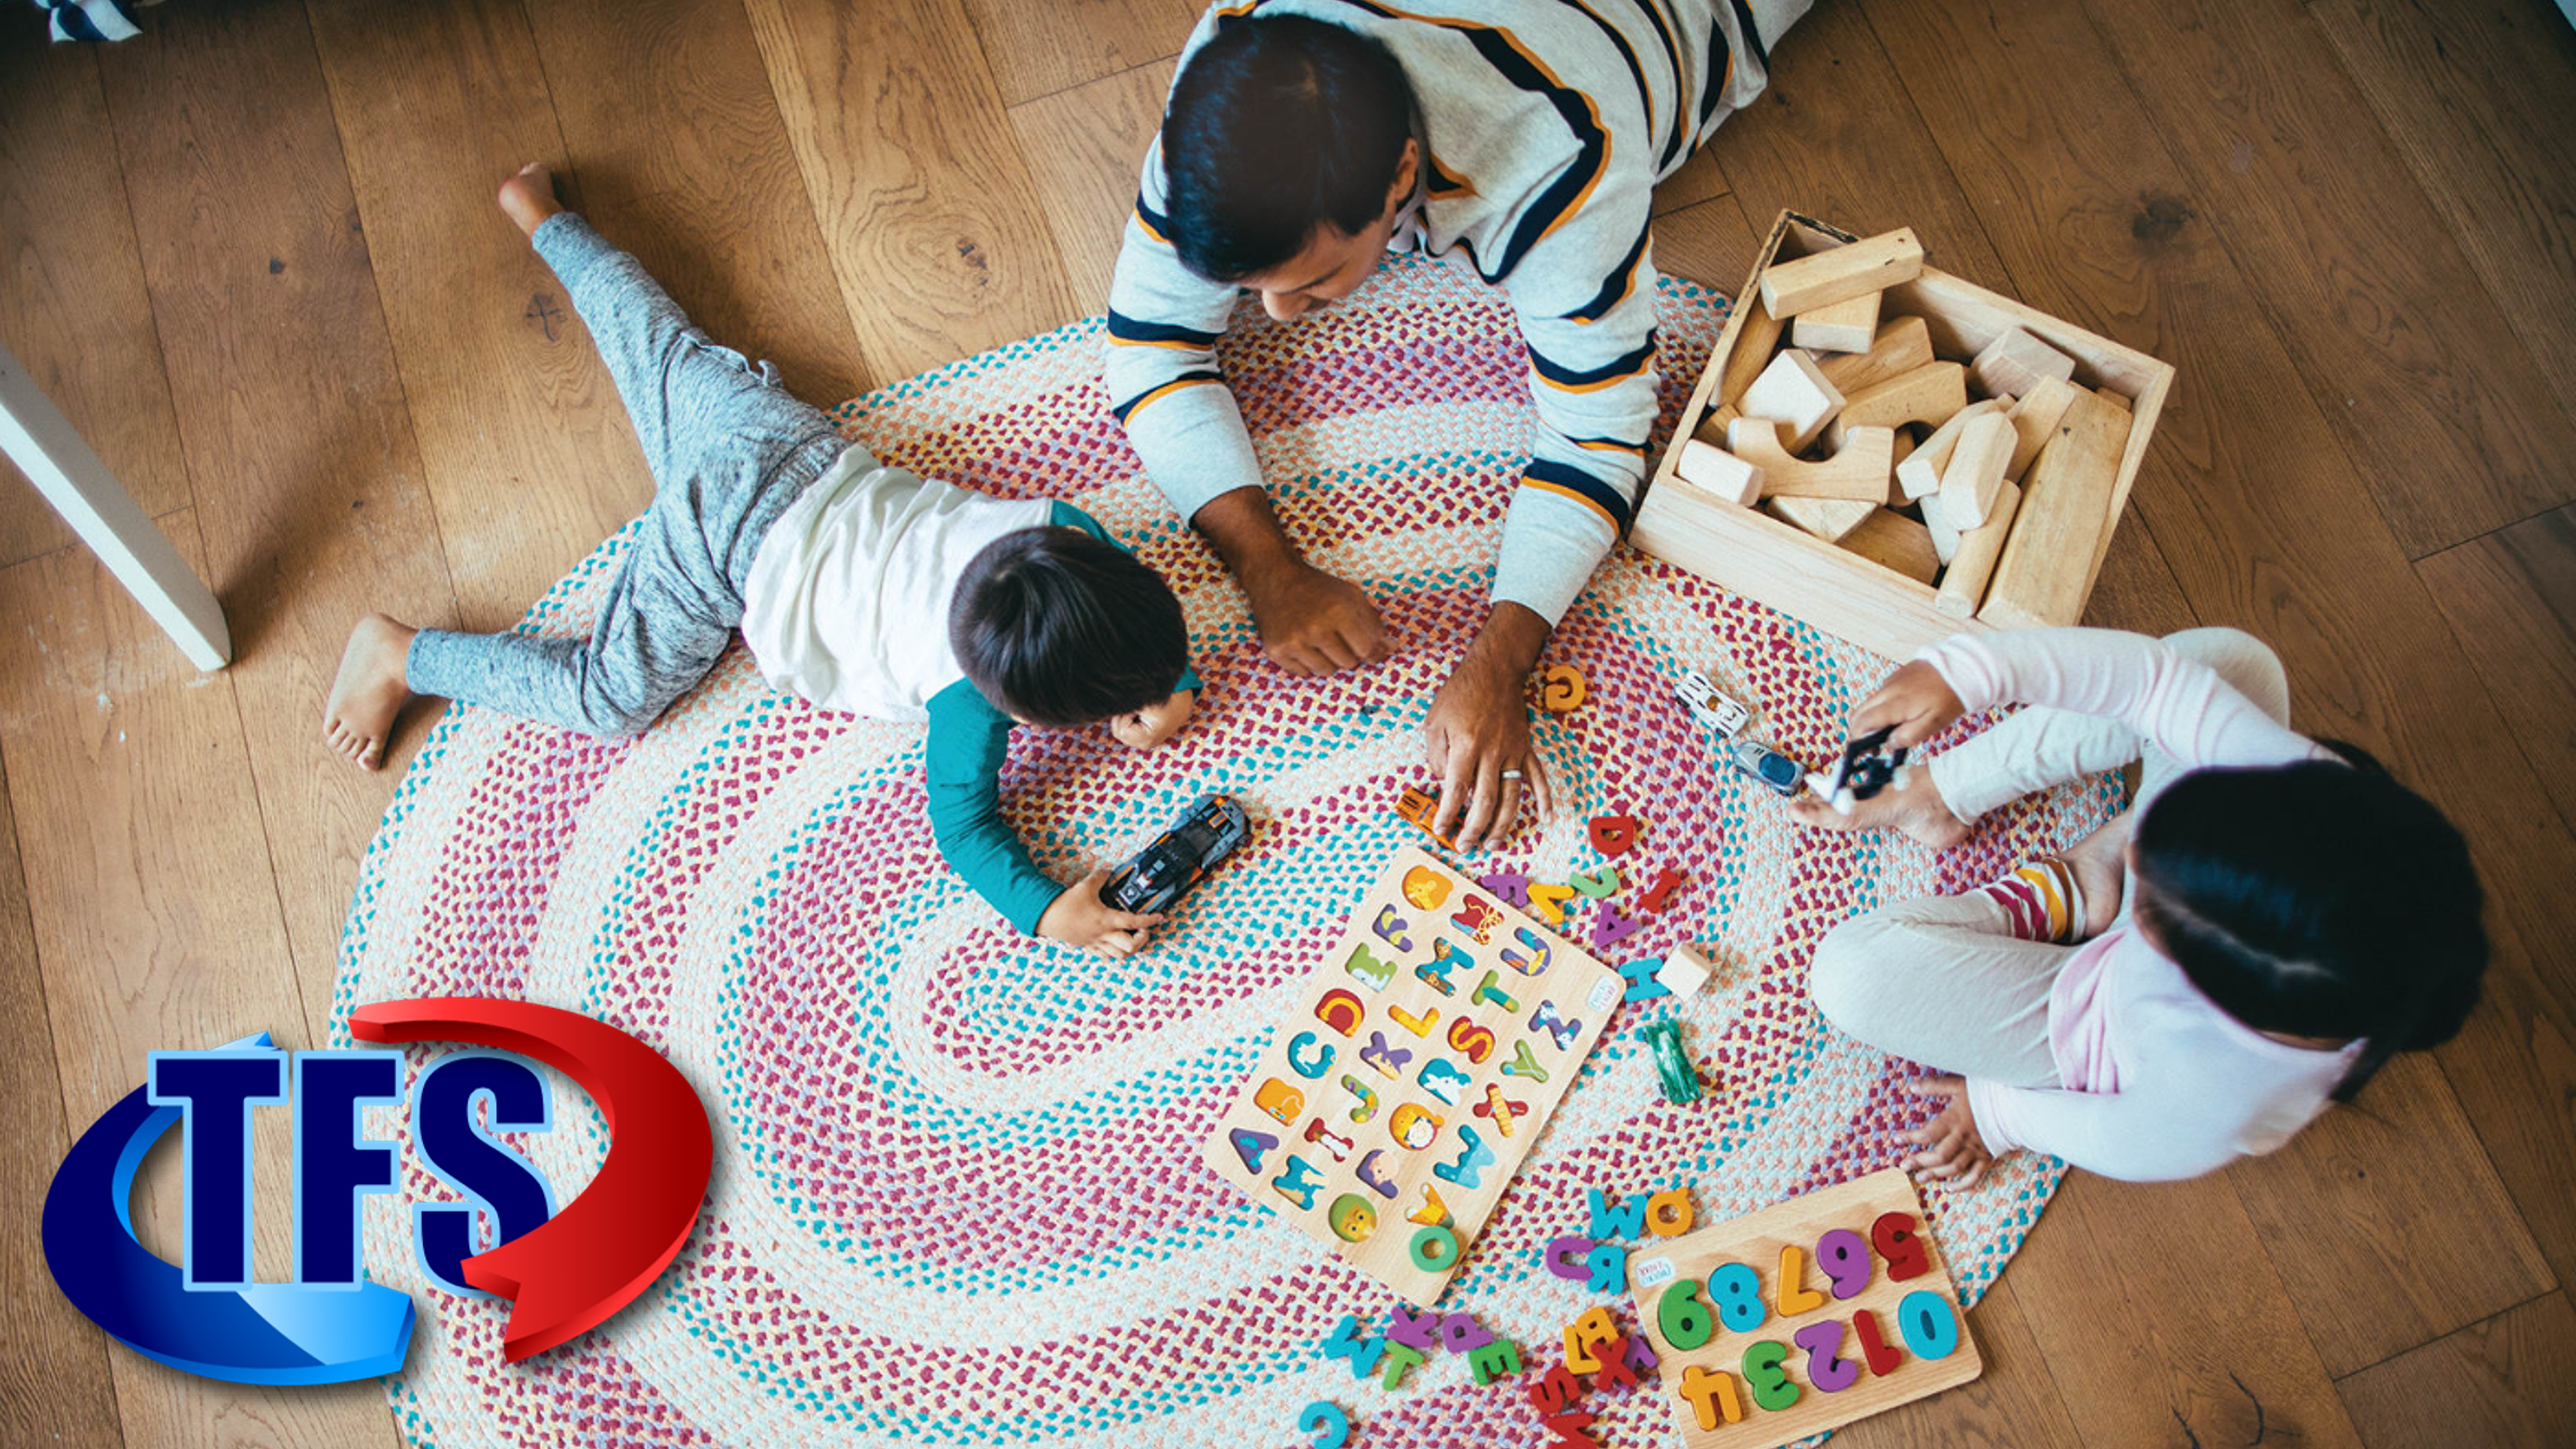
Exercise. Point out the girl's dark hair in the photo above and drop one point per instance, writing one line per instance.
(1059, 628)
(2316, 899)
(1280, 125)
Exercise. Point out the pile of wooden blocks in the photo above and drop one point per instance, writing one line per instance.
(1990, 477)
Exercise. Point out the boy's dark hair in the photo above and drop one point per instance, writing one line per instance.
(2316, 899)
(1060, 628)
(1280, 125)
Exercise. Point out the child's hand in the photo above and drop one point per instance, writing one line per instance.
(1145, 728)
(1915, 699)
(1080, 918)
(1952, 1149)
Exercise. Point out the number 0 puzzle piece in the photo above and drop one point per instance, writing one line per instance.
(1615, 834)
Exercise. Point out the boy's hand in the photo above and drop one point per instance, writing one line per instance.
(1080, 918)
(1915, 699)
(1145, 728)
(1952, 1149)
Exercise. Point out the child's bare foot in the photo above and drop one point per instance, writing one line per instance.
(529, 197)
(2100, 872)
(1914, 806)
(368, 691)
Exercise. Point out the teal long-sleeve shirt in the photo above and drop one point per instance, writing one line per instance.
(969, 740)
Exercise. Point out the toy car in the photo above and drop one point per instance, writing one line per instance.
(1156, 876)
(1784, 775)
(1709, 707)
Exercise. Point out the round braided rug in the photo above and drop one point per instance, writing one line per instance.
(957, 1194)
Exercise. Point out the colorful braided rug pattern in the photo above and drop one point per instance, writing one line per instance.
(957, 1197)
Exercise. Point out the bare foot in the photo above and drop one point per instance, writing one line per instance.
(2100, 872)
(529, 197)
(368, 691)
(1914, 806)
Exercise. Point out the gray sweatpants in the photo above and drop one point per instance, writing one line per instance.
(729, 450)
(1943, 980)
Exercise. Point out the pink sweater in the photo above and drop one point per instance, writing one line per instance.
(2157, 1082)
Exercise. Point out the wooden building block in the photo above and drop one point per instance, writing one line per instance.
(1713, 424)
(1897, 542)
(1857, 471)
(1831, 519)
(1752, 353)
(1930, 395)
(1719, 472)
(1975, 473)
(2048, 558)
(2035, 420)
(1792, 393)
(1684, 970)
(1827, 277)
(1972, 559)
(2014, 361)
(1919, 473)
(1902, 345)
(1850, 325)
(1945, 538)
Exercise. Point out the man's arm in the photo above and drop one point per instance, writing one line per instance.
(1585, 298)
(1166, 388)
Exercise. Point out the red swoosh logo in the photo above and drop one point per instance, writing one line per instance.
(610, 1243)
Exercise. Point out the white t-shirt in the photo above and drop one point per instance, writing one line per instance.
(847, 601)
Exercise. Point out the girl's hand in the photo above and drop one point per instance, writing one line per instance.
(1915, 699)
(1080, 918)
(1952, 1150)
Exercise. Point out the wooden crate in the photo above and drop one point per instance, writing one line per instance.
(1832, 588)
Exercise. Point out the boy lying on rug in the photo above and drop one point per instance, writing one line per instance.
(2269, 922)
(858, 586)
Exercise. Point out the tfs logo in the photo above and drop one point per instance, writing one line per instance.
(565, 1272)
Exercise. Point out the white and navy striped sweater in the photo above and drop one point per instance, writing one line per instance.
(1548, 123)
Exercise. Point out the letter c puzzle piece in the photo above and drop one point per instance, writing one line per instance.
(1565, 1257)
(1561, 688)
(1324, 1425)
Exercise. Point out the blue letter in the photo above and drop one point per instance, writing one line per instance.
(462, 1153)
(214, 1092)
(336, 1163)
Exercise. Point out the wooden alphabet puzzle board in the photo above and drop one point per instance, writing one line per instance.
(1414, 1070)
(1804, 1316)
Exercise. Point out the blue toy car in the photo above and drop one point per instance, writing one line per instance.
(1206, 833)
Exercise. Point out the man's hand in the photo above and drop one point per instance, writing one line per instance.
(1315, 623)
(1080, 918)
(1915, 699)
(1952, 1150)
(1311, 622)
(1477, 736)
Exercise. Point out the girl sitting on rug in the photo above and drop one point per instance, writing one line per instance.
(858, 586)
(2270, 920)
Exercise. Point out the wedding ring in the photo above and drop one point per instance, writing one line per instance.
(1511, 774)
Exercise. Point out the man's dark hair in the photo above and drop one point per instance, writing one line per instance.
(1279, 126)
(1059, 628)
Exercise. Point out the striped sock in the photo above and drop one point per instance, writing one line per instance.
(2042, 900)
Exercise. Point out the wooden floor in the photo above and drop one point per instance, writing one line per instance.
(253, 255)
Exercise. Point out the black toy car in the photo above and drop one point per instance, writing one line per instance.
(1206, 833)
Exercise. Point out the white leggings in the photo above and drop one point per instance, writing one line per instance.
(1942, 980)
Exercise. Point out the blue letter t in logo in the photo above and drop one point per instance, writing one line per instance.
(215, 1091)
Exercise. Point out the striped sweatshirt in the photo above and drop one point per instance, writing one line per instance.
(1545, 126)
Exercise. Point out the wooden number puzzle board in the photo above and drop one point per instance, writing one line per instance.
(1911, 1345)
(1414, 1070)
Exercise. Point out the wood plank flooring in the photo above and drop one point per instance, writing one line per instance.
(253, 254)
